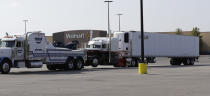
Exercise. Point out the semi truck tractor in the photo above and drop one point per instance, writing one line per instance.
(32, 50)
(180, 49)
(97, 52)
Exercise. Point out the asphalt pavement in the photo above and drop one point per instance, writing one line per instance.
(162, 80)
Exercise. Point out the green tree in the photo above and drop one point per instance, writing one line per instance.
(179, 31)
(196, 32)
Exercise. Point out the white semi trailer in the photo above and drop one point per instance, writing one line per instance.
(32, 50)
(181, 49)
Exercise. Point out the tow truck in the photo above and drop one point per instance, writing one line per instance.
(32, 50)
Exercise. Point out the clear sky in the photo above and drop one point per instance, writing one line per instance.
(52, 16)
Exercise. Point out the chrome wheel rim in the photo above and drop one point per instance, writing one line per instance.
(95, 61)
(133, 63)
(5, 67)
(79, 64)
(70, 65)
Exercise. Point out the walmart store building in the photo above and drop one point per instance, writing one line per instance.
(82, 36)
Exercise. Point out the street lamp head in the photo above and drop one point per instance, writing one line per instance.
(119, 14)
(108, 1)
(25, 20)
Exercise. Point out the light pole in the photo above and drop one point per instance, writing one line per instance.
(142, 30)
(119, 21)
(25, 21)
(108, 1)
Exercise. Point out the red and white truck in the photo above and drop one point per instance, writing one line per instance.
(127, 46)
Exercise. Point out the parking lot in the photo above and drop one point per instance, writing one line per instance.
(162, 80)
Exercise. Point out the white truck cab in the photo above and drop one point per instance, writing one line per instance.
(102, 43)
(98, 51)
(12, 47)
(98, 43)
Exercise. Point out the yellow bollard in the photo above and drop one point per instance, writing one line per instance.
(142, 68)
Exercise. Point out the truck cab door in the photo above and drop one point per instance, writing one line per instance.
(19, 51)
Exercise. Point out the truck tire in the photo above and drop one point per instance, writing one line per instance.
(187, 61)
(5, 67)
(95, 62)
(70, 65)
(179, 62)
(192, 61)
(175, 61)
(79, 64)
(172, 62)
(151, 60)
(133, 63)
(51, 67)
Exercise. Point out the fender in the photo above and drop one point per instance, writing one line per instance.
(3, 58)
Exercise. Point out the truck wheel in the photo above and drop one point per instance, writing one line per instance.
(175, 62)
(172, 62)
(133, 63)
(151, 60)
(179, 62)
(5, 67)
(79, 64)
(70, 65)
(51, 67)
(187, 61)
(192, 61)
(95, 62)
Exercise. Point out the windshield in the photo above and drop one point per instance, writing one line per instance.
(7, 43)
(96, 46)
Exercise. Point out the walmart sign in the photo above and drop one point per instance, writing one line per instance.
(77, 36)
